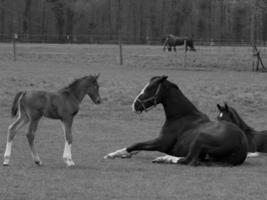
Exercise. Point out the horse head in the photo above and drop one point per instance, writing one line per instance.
(224, 113)
(229, 114)
(150, 95)
(92, 88)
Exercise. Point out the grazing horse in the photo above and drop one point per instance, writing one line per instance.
(187, 132)
(171, 41)
(63, 104)
(257, 140)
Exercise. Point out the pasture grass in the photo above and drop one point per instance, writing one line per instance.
(100, 129)
(205, 58)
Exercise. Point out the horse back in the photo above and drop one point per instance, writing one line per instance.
(224, 140)
(221, 132)
(49, 104)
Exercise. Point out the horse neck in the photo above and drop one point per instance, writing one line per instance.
(241, 123)
(176, 105)
(77, 92)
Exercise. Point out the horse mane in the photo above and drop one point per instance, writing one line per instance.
(238, 120)
(172, 84)
(73, 84)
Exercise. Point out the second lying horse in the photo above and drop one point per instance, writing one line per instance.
(187, 132)
(257, 140)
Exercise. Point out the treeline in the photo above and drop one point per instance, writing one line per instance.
(137, 21)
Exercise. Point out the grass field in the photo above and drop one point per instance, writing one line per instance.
(212, 76)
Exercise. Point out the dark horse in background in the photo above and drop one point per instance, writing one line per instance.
(257, 140)
(63, 104)
(171, 41)
(187, 132)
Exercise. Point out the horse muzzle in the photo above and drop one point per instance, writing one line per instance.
(137, 107)
(97, 100)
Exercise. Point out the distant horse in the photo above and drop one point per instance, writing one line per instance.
(257, 140)
(31, 106)
(187, 132)
(171, 41)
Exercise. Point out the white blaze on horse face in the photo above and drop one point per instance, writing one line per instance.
(142, 92)
(221, 115)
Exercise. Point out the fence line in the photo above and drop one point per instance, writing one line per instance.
(113, 39)
(226, 48)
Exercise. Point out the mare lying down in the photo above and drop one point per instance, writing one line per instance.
(187, 132)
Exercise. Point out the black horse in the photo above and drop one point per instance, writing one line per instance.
(187, 132)
(171, 41)
(257, 140)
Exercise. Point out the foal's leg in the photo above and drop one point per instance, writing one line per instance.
(67, 157)
(30, 136)
(20, 122)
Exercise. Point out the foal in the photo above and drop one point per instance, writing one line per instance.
(257, 140)
(63, 104)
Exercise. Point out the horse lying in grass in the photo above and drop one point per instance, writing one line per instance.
(172, 41)
(257, 140)
(31, 106)
(187, 132)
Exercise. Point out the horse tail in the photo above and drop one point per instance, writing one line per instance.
(191, 44)
(14, 108)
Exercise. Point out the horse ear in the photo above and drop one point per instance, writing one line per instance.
(219, 107)
(97, 76)
(163, 78)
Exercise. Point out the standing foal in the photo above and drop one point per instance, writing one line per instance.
(31, 106)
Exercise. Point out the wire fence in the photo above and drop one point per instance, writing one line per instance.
(210, 54)
(114, 39)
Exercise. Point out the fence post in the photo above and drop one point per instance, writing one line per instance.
(15, 37)
(119, 31)
(121, 56)
(185, 51)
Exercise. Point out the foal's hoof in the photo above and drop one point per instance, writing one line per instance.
(6, 162)
(38, 162)
(69, 162)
